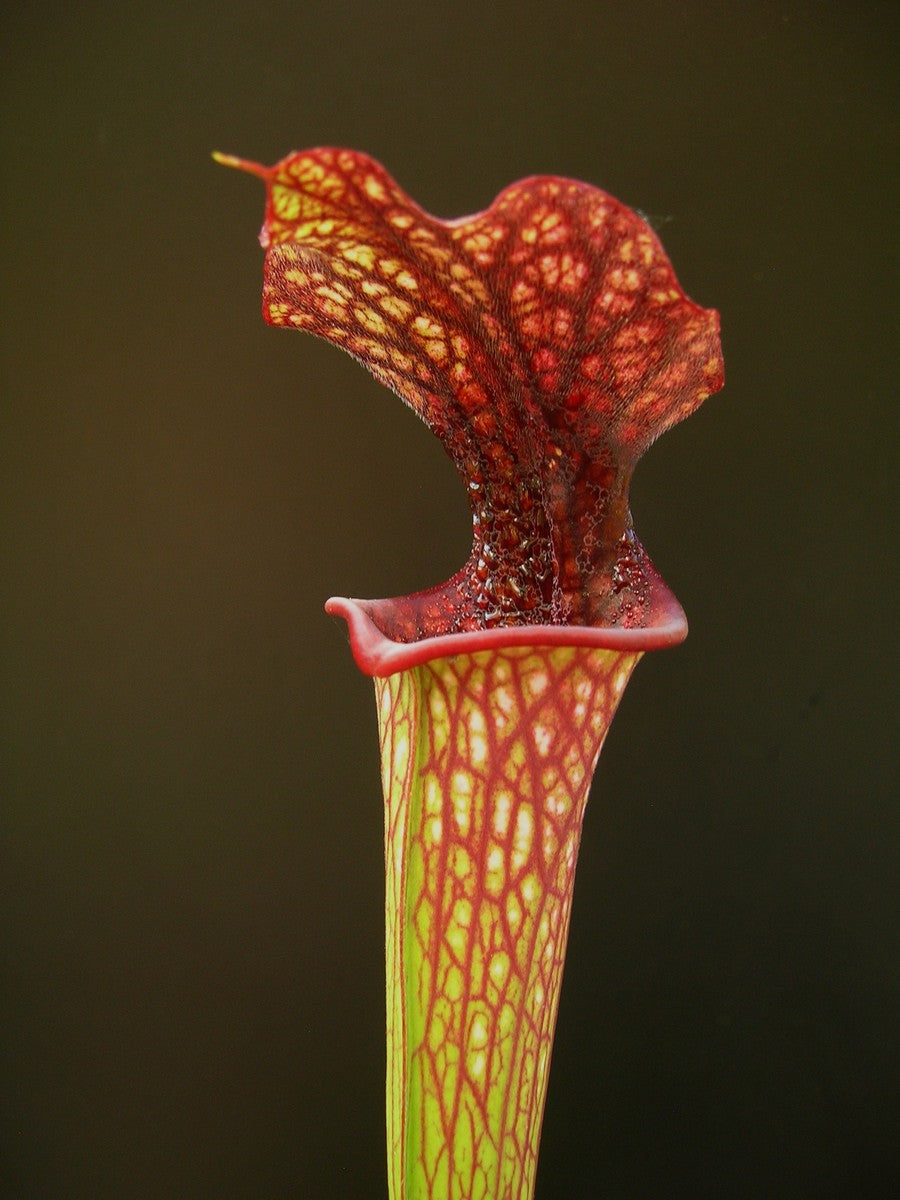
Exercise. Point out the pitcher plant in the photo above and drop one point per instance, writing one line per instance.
(547, 343)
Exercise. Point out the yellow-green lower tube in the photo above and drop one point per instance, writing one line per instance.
(487, 759)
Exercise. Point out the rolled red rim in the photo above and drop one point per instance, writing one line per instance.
(378, 655)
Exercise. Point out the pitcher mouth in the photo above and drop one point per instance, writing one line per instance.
(378, 655)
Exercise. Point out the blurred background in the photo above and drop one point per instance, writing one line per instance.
(192, 980)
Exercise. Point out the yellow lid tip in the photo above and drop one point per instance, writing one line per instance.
(241, 164)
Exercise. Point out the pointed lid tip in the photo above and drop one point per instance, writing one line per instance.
(241, 164)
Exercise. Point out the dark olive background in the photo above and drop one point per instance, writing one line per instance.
(191, 848)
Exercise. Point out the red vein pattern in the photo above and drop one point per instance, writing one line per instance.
(545, 341)
(487, 760)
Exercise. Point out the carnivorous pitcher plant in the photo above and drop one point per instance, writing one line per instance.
(546, 342)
